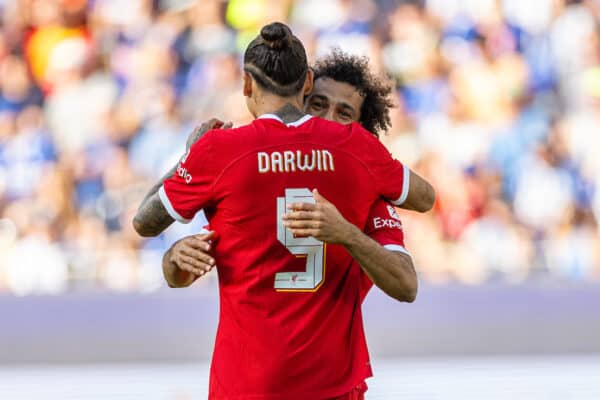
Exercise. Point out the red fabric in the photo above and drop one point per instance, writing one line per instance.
(274, 344)
(385, 227)
(358, 393)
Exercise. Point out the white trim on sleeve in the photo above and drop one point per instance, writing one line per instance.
(169, 207)
(405, 187)
(398, 248)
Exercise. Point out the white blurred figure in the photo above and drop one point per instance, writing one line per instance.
(571, 250)
(8, 235)
(79, 103)
(500, 246)
(412, 49)
(449, 9)
(535, 16)
(119, 269)
(131, 15)
(543, 192)
(569, 35)
(351, 32)
(35, 265)
(317, 14)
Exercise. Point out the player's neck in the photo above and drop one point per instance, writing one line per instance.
(289, 113)
(289, 110)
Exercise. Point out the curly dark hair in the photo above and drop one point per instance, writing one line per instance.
(354, 70)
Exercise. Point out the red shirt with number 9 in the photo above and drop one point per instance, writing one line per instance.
(290, 323)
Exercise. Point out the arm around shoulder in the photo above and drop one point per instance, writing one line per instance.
(421, 195)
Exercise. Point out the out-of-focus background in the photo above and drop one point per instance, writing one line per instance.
(498, 106)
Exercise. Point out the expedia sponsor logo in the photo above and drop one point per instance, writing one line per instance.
(386, 223)
(393, 212)
(182, 172)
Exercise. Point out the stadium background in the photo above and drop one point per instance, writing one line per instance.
(498, 106)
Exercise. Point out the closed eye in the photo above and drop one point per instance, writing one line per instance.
(317, 105)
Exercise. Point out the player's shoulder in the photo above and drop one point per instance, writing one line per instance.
(224, 134)
(221, 138)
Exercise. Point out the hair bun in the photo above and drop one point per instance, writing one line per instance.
(276, 35)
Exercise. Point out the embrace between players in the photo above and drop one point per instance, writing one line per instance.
(302, 219)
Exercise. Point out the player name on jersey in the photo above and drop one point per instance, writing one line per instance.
(292, 161)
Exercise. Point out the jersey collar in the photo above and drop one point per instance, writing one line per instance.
(295, 123)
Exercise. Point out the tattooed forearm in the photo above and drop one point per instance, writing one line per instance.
(154, 189)
(289, 113)
(152, 218)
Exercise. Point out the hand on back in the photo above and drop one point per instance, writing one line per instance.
(321, 220)
(194, 254)
(213, 123)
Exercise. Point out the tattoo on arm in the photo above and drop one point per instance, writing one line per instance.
(152, 218)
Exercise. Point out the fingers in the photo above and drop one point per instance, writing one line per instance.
(205, 236)
(200, 241)
(197, 243)
(302, 207)
(214, 123)
(192, 254)
(302, 224)
(304, 232)
(318, 198)
(198, 255)
(228, 125)
(294, 215)
(193, 265)
(194, 242)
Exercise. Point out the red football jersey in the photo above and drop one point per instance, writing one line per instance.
(290, 323)
(385, 227)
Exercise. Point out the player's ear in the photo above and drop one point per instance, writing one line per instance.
(308, 82)
(247, 84)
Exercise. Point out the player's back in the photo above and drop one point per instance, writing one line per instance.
(290, 323)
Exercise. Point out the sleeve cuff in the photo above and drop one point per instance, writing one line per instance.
(405, 187)
(169, 207)
(398, 248)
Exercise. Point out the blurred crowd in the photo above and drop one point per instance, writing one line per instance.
(498, 106)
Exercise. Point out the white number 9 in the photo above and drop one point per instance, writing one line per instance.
(302, 247)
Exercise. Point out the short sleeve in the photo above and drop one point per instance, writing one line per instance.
(191, 187)
(385, 227)
(392, 178)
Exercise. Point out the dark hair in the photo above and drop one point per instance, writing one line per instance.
(354, 70)
(276, 59)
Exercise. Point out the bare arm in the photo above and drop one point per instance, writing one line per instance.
(152, 218)
(187, 260)
(393, 272)
(421, 195)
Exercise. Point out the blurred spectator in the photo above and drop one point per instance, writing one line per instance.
(498, 106)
